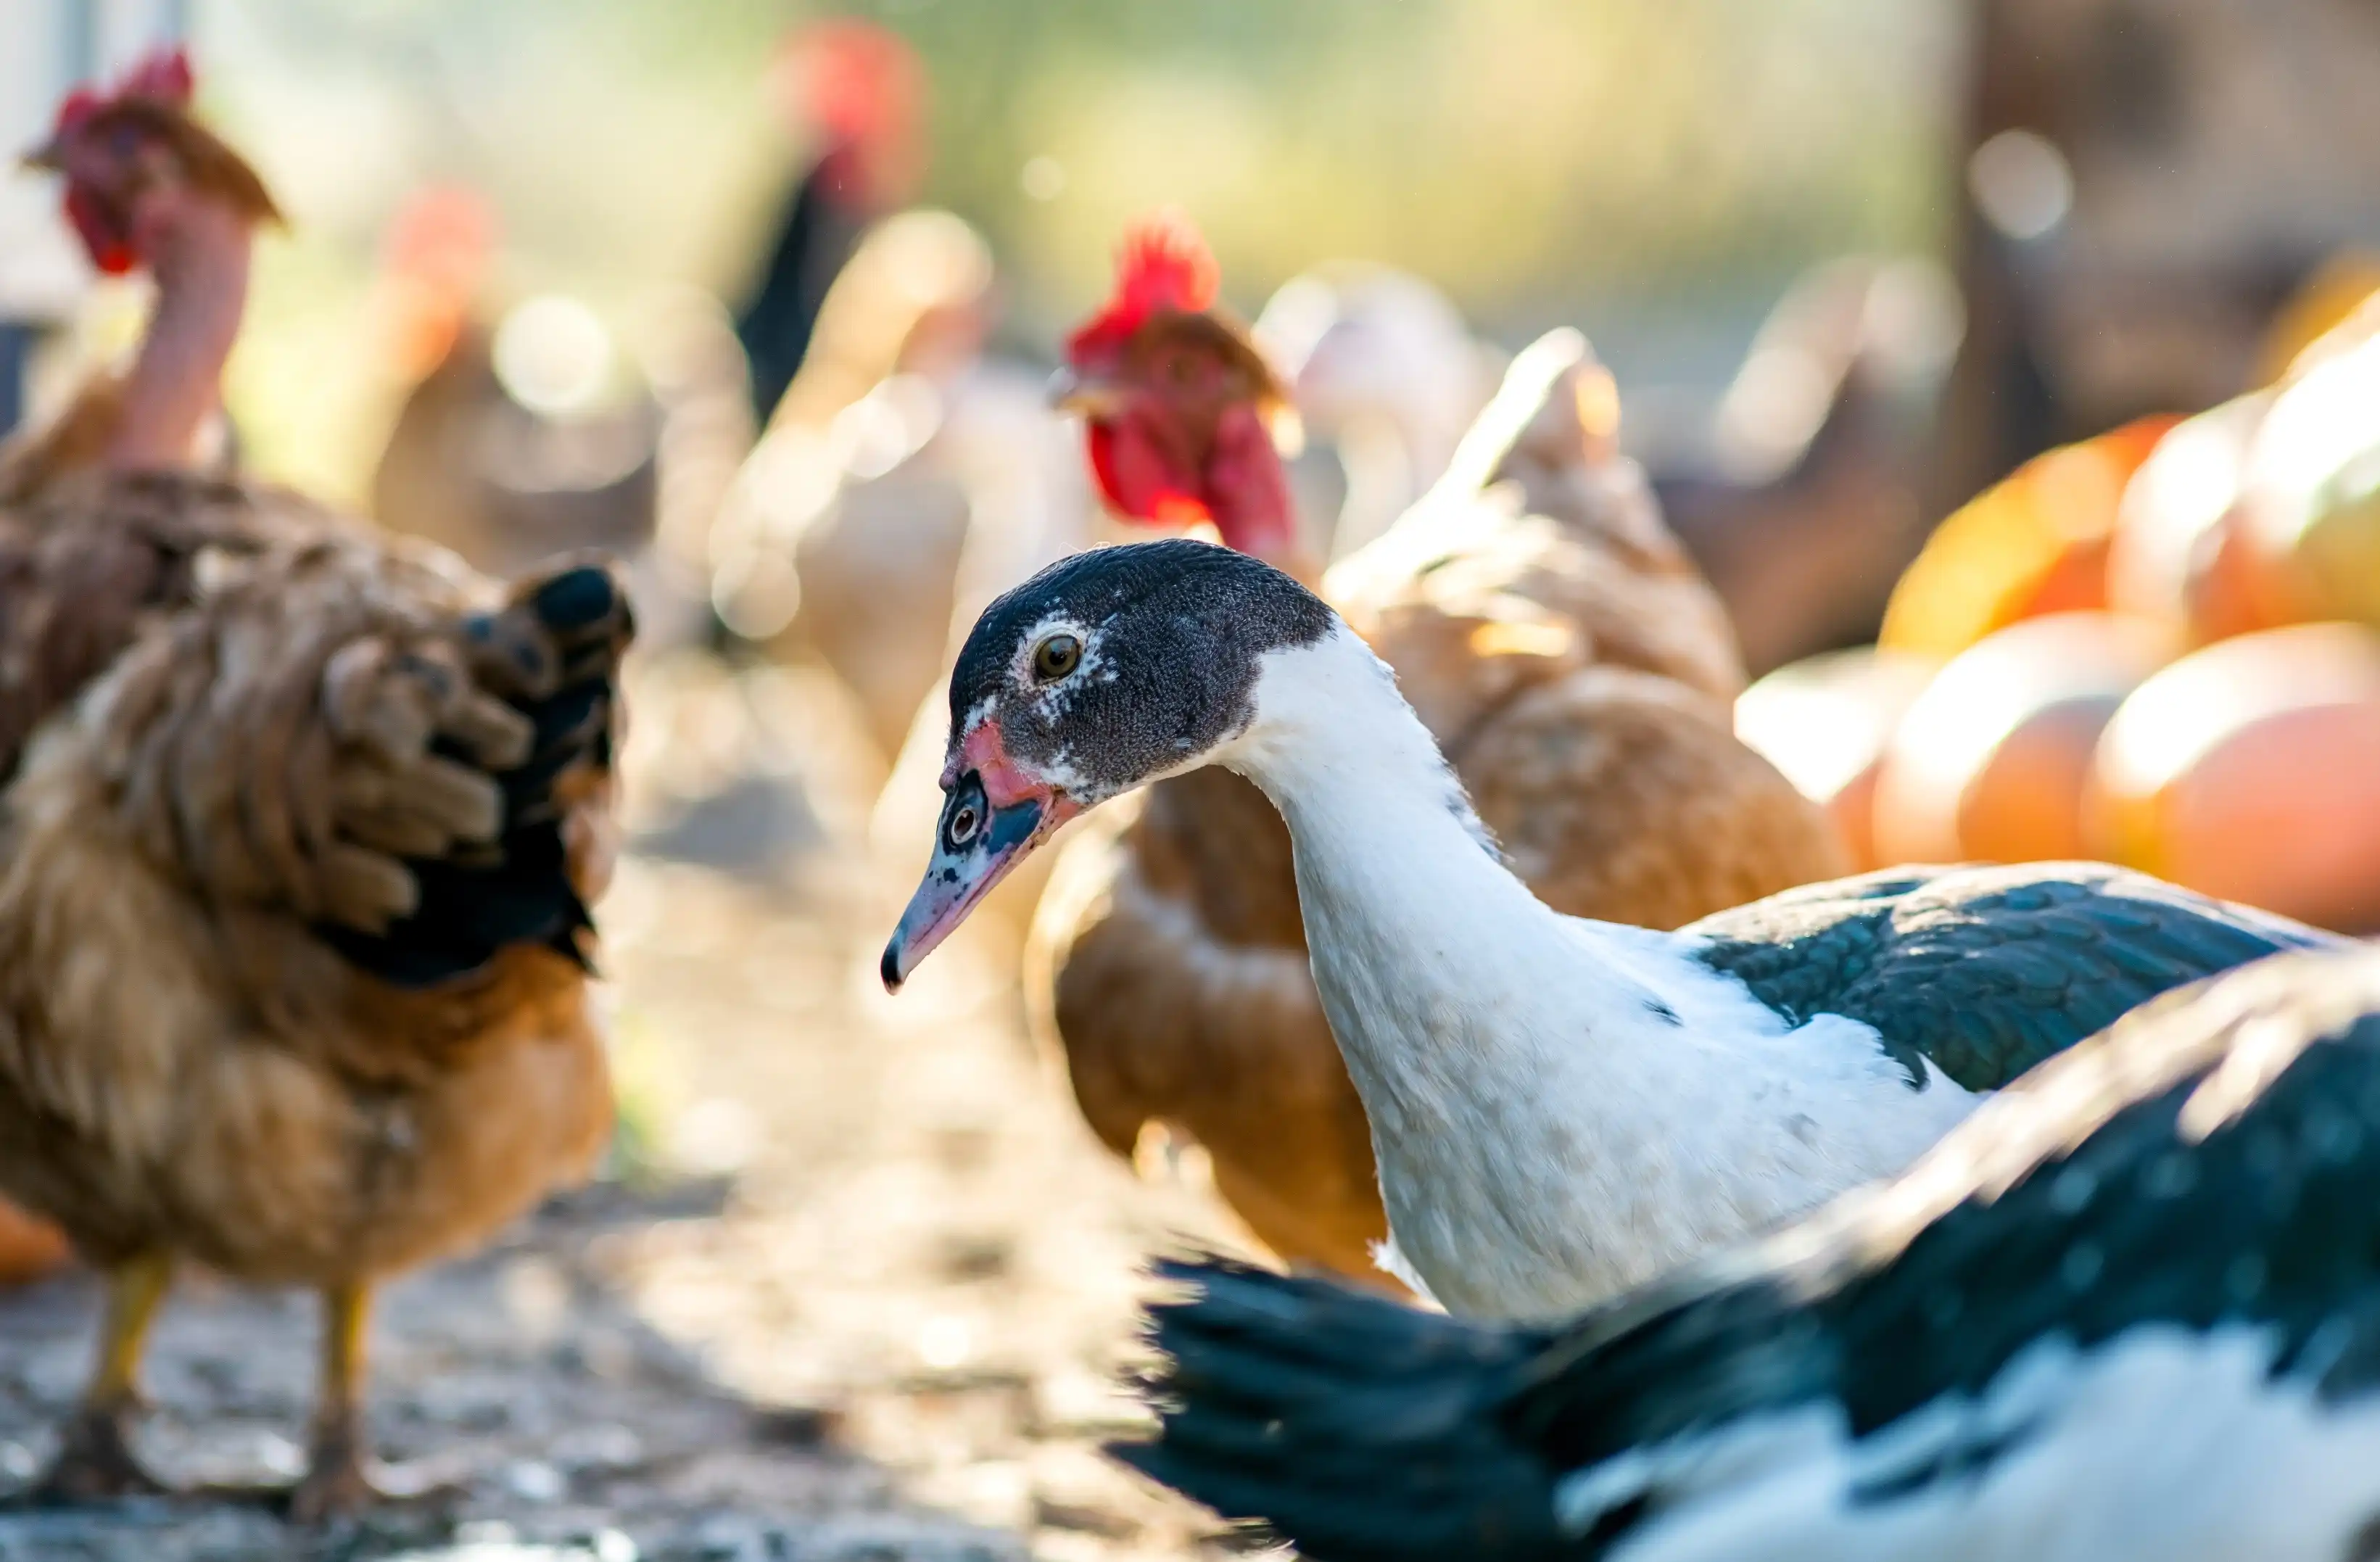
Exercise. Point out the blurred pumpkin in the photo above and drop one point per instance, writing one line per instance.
(1990, 762)
(2181, 555)
(2342, 288)
(2033, 544)
(1824, 722)
(2310, 510)
(28, 1248)
(2251, 770)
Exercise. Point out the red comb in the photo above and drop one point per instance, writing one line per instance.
(81, 105)
(163, 76)
(443, 234)
(1163, 263)
(855, 80)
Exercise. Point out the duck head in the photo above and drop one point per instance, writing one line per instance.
(1105, 671)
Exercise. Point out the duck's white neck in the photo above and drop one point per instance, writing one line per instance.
(1560, 1108)
(1432, 961)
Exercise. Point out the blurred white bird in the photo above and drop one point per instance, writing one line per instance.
(1386, 377)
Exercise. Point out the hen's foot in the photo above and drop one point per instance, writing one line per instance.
(94, 1464)
(343, 1483)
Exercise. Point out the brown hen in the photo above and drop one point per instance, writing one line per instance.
(1559, 646)
(298, 828)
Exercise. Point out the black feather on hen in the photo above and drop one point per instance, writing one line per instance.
(476, 903)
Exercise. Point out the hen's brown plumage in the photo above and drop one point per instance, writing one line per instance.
(297, 827)
(509, 487)
(1579, 675)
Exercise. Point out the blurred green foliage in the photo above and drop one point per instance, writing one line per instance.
(1543, 160)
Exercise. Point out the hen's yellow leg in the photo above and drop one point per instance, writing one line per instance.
(337, 1479)
(94, 1461)
(341, 1477)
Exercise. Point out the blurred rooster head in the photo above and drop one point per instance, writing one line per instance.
(862, 90)
(434, 265)
(139, 170)
(1169, 386)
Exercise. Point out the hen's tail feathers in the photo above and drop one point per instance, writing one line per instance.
(552, 658)
(1355, 1428)
(1557, 401)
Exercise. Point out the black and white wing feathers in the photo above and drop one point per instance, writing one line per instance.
(1985, 970)
(2210, 1162)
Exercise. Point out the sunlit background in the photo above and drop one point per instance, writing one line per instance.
(1656, 173)
(1997, 362)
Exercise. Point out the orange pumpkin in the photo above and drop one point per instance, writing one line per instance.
(2310, 510)
(2251, 770)
(1824, 722)
(2335, 305)
(2033, 544)
(2180, 555)
(1989, 764)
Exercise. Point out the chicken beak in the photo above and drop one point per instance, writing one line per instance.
(976, 845)
(1090, 395)
(48, 158)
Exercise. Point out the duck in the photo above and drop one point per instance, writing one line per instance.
(2128, 1311)
(1553, 638)
(1560, 1108)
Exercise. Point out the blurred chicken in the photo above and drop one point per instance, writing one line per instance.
(1548, 630)
(162, 411)
(902, 464)
(1386, 378)
(299, 828)
(1805, 508)
(516, 442)
(860, 90)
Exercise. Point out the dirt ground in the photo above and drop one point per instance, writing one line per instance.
(857, 1286)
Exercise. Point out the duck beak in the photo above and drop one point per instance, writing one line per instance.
(1089, 395)
(976, 844)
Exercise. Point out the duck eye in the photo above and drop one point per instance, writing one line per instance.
(1056, 656)
(965, 819)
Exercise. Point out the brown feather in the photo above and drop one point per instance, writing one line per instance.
(74, 440)
(212, 695)
(204, 160)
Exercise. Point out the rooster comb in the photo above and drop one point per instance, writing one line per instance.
(1162, 265)
(162, 76)
(855, 79)
(443, 232)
